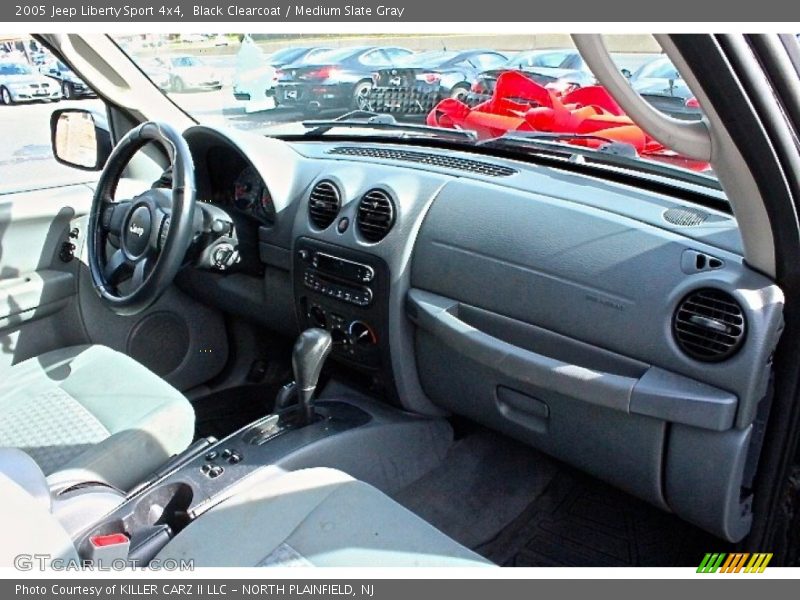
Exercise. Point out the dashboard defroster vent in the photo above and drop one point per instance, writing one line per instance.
(478, 167)
(709, 325)
(375, 215)
(324, 204)
(685, 217)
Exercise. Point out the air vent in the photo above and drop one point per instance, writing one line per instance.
(324, 204)
(375, 215)
(427, 158)
(685, 217)
(709, 325)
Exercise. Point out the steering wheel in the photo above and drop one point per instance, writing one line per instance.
(139, 244)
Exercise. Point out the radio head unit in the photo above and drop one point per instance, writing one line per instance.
(341, 267)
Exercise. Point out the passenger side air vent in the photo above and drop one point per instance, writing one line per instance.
(709, 325)
(685, 217)
(478, 167)
(324, 204)
(375, 215)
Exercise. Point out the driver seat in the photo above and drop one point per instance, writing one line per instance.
(89, 413)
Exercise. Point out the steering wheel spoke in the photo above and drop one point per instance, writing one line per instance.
(116, 266)
(113, 216)
(162, 219)
(141, 269)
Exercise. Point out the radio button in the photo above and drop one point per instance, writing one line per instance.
(366, 274)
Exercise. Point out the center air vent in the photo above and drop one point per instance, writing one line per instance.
(709, 325)
(375, 215)
(324, 204)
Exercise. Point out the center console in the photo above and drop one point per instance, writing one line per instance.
(154, 513)
(345, 292)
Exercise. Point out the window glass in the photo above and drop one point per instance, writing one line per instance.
(375, 58)
(33, 83)
(338, 74)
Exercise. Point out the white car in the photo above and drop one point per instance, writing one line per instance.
(190, 73)
(21, 83)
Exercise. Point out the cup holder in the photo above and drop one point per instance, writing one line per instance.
(165, 505)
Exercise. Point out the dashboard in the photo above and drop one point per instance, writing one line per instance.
(615, 327)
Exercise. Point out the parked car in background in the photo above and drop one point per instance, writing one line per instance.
(190, 73)
(336, 79)
(158, 73)
(72, 86)
(193, 38)
(21, 83)
(416, 83)
(256, 68)
(295, 54)
(561, 70)
(659, 82)
(222, 40)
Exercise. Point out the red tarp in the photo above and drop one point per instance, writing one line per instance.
(521, 104)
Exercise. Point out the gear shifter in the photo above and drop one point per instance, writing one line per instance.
(308, 355)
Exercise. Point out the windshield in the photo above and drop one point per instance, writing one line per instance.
(660, 68)
(426, 59)
(287, 54)
(542, 58)
(492, 86)
(15, 69)
(185, 61)
(335, 55)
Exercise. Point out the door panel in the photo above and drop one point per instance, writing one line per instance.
(38, 282)
(47, 299)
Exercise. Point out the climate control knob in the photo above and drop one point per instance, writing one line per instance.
(361, 334)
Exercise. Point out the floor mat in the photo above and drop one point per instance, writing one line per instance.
(221, 413)
(580, 521)
(484, 483)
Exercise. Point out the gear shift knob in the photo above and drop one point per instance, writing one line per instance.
(308, 355)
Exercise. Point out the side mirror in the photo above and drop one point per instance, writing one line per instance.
(78, 140)
(627, 73)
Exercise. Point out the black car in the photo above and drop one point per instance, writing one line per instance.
(267, 69)
(561, 69)
(72, 86)
(294, 54)
(337, 79)
(659, 82)
(415, 84)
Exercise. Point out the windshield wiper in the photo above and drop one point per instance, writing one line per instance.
(611, 152)
(362, 119)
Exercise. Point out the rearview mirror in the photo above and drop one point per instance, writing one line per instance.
(77, 139)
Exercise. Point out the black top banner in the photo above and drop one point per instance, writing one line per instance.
(441, 11)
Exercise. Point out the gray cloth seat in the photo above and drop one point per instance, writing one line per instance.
(315, 517)
(311, 517)
(89, 413)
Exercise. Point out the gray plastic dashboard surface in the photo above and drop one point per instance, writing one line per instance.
(573, 279)
(598, 277)
(588, 258)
